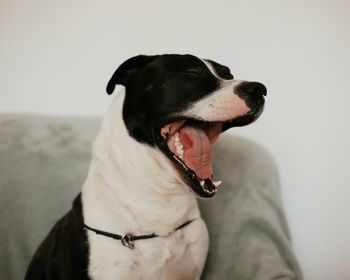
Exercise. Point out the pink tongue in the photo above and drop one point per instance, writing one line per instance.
(197, 151)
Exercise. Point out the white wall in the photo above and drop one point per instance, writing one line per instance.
(56, 57)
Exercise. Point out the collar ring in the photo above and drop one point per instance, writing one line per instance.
(127, 241)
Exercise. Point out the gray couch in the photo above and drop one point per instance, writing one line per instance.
(44, 161)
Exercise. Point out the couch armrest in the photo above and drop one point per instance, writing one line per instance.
(249, 237)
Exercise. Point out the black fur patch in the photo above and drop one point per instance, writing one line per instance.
(159, 86)
(64, 253)
(221, 70)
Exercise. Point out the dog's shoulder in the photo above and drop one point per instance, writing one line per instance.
(64, 252)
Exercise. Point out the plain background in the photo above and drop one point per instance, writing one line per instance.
(57, 56)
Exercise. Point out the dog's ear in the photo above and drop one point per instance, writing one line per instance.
(222, 71)
(127, 69)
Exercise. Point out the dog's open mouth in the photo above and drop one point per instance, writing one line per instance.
(188, 143)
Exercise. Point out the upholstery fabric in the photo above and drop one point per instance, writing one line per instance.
(43, 164)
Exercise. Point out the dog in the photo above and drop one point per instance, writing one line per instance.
(137, 215)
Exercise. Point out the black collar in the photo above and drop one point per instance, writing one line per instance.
(127, 239)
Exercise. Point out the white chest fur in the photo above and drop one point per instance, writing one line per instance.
(134, 188)
(181, 255)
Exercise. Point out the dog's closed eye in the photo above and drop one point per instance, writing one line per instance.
(193, 71)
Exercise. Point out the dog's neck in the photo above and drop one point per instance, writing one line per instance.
(132, 187)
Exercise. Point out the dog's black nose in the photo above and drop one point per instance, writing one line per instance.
(252, 88)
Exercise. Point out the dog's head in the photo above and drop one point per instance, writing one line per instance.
(180, 104)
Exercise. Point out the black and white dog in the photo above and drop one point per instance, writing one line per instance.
(137, 216)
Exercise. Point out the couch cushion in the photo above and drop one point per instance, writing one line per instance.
(43, 164)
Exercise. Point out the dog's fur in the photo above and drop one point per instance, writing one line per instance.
(133, 186)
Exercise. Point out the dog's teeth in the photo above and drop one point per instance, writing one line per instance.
(217, 183)
(202, 183)
(179, 146)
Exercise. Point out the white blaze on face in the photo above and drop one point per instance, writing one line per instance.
(221, 105)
